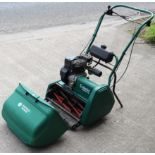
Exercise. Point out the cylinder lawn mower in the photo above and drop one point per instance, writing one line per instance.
(72, 101)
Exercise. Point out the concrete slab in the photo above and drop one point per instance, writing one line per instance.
(35, 58)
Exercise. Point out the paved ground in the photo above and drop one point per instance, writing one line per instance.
(35, 58)
(17, 17)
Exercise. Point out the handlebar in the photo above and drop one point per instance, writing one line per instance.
(136, 9)
(135, 35)
(148, 21)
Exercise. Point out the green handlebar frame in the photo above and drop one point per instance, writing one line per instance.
(135, 35)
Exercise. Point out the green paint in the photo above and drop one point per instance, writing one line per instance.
(32, 119)
(98, 102)
(37, 123)
(83, 87)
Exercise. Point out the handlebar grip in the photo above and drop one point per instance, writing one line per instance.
(95, 71)
(136, 9)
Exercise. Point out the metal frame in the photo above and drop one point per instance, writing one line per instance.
(135, 35)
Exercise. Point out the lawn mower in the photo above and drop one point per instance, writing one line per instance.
(73, 100)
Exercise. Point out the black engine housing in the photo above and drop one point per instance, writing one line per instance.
(74, 66)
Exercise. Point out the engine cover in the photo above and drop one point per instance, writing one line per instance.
(74, 67)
